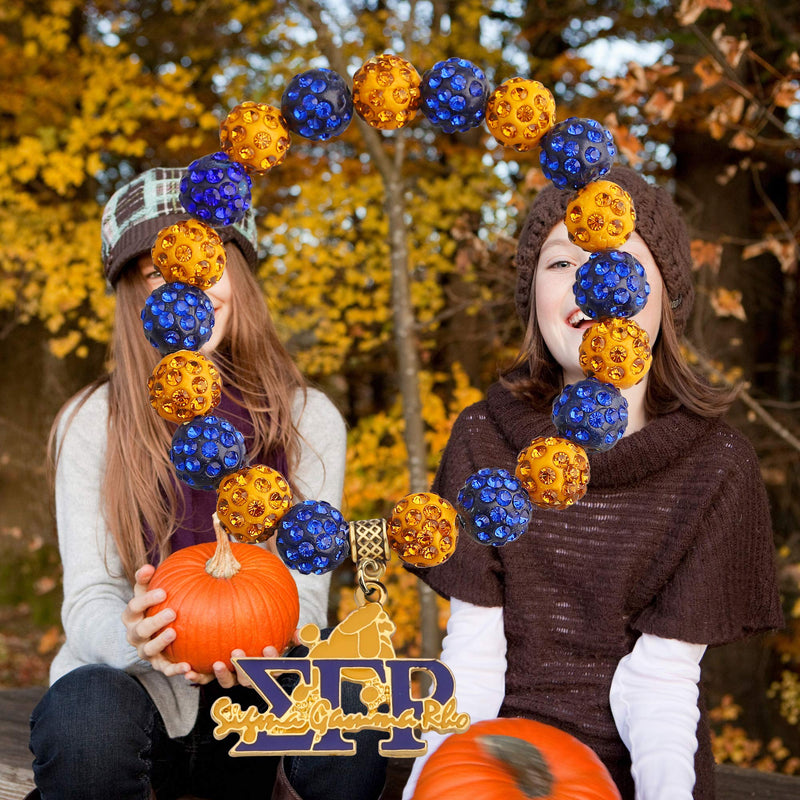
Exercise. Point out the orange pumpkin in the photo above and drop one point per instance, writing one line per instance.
(514, 759)
(226, 596)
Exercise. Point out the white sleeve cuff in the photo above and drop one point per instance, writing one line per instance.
(654, 702)
(474, 649)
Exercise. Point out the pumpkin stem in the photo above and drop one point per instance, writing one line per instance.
(223, 563)
(523, 760)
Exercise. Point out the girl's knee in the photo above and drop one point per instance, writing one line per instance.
(92, 704)
(92, 735)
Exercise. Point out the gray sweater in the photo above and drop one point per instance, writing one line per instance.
(95, 589)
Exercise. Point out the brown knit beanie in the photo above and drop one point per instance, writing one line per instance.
(135, 213)
(658, 221)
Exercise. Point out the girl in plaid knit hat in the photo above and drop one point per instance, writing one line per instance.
(596, 620)
(120, 720)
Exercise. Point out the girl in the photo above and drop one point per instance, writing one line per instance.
(596, 620)
(120, 720)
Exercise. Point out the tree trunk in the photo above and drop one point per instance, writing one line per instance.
(402, 311)
(408, 367)
(761, 346)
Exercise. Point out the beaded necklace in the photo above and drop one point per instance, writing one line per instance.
(494, 507)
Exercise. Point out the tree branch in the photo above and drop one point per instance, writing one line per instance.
(402, 310)
(773, 209)
(733, 78)
(743, 395)
(328, 48)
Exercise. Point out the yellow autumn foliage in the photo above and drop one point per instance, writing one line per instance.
(95, 93)
(90, 101)
(731, 744)
(376, 478)
(375, 482)
(79, 110)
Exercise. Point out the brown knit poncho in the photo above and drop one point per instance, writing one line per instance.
(673, 538)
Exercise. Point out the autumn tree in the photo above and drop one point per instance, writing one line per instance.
(148, 85)
(705, 100)
(716, 115)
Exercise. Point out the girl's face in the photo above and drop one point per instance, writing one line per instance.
(220, 295)
(560, 320)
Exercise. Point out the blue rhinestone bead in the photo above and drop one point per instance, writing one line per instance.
(591, 414)
(313, 536)
(216, 190)
(576, 152)
(206, 449)
(493, 507)
(177, 316)
(611, 284)
(453, 95)
(317, 104)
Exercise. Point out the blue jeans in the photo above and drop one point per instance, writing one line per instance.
(97, 734)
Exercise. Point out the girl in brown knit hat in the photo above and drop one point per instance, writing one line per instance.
(596, 620)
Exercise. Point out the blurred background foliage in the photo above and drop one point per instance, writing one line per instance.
(702, 95)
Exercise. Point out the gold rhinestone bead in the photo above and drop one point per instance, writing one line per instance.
(615, 351)
(175, 393)
(251, 502)
(190, 252)
(386, 92)
(256, 136)
(600, 216)
(554, 472)
(422, 529)
(519, 112)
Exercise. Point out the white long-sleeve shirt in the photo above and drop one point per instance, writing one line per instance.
(653, 698)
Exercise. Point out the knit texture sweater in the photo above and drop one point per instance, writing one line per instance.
(673, 538)
(95, 589)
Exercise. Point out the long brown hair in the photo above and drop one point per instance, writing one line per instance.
(139, 488)
(536, 376)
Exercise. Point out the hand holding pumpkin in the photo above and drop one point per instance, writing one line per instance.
(150, 635)
(225, 596)
(225, 677)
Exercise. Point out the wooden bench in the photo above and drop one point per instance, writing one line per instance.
(16, 778)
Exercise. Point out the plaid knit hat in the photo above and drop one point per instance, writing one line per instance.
(658, 221)
(135, 214)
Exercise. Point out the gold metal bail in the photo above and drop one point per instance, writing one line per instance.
(368, 540)
(369, 549)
